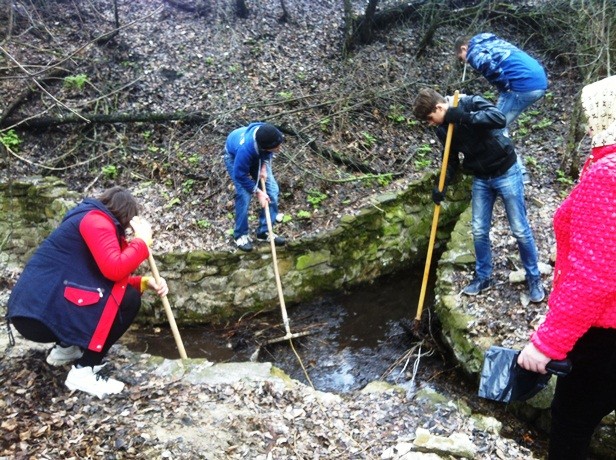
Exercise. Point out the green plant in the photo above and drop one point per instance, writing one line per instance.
(194, 159)
(303, 214)
(369, 139)
(172, 202)
(422, 163)
(204, 223)
(10, 139)
(286, 218)
(324, 123)
(315, 198)
(234, 68)
(75, 81)
(110, 171)
(209, 60)
(530, 161)
(563, 178)
(153, 149)
(395, 113)
(146, 134)
(423, 160)
(187, 185)
(543, 124)
(286, 95)
(489, 95)
(384, 179)
(423, 149)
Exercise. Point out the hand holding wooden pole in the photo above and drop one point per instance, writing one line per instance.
(167, 306)
(437, 209)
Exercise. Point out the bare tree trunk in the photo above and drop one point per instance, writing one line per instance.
(105, 38)
(285, 14)
(241, 10)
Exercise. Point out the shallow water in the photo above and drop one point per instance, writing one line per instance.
(354, 337)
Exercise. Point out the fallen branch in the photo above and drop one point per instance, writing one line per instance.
(48, 122)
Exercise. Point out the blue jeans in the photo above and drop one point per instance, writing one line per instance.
(512, 104)
(511, 190)
(243, 197)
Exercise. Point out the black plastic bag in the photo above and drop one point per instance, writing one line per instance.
(503, 380)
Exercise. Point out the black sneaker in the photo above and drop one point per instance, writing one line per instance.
(535, 289)
(478, 285)
(278, 240)
(243, 243)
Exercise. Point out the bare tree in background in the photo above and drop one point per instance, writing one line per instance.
(241, 10)
(359, 31)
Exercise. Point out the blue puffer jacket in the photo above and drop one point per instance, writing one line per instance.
(504, 65)
(242, 146)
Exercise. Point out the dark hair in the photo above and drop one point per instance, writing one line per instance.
(268, 137)
(121, 204)
(425, 103)
(460, 42)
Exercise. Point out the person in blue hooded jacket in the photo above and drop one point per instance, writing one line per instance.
(248, 159)
(519, 78)
(78, 291)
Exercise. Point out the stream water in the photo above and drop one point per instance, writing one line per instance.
(353, 338)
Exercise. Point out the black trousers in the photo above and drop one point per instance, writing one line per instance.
(37, 331)
(585, 396)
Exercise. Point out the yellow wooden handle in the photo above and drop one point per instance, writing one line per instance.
(167, 306)
(437, 210)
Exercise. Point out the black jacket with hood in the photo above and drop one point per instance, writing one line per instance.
(478, 136)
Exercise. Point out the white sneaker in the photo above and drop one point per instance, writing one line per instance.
(60, 355)
(87, 379)
(244, 243)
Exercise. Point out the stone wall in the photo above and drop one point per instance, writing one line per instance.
(383, 238)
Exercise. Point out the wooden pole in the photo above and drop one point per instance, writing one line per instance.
(283, 308)
(174, 327)
(437, 210)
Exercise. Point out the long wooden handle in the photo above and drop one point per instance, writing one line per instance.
(437, 210)
(283, 308)
(167, 306)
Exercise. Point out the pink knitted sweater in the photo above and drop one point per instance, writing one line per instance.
(584, 288)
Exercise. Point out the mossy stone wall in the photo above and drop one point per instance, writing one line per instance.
(389, 235)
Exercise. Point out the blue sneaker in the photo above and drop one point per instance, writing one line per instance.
(535, 289)
(478, 285)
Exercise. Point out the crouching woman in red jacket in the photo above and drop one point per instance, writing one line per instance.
(78, 291)
(581, 321)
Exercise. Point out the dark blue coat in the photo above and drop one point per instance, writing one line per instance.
(63, 287)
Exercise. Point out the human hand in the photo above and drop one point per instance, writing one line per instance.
(438, 196)
(142, 229)
(531, 359)
(161, 288)
(456, 115)
(263, 173)
(263, 198)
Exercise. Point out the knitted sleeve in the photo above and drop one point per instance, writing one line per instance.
(586, 285)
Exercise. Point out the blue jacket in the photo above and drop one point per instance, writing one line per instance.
(63, 287)
(504, 65)
(247, 159)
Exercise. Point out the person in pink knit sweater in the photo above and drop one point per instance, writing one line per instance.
(581, 320)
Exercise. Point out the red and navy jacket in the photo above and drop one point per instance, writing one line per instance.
(77, 278)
